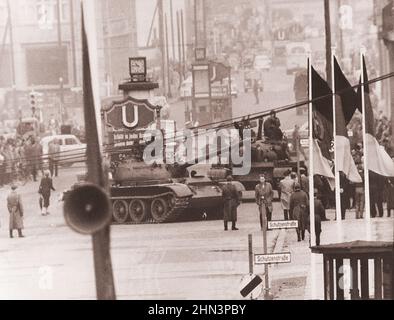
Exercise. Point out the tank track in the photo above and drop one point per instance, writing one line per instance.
(172, 215)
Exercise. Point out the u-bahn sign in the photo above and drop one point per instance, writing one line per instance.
(130, 114)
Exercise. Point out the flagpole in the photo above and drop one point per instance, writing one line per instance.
(311, 182)
(337, 176)
(311, 164)
(365, 147)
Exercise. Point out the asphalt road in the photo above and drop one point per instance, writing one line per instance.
(191, 260)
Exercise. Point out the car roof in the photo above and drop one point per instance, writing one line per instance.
(59, 136)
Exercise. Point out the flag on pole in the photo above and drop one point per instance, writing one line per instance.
(345, 106)
(379, 160)
(322, 127)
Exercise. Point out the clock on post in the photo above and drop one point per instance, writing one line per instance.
(137, 69)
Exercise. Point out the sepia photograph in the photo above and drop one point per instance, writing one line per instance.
(216, 151)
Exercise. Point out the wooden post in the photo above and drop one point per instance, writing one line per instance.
(378, 278)
(250, 244)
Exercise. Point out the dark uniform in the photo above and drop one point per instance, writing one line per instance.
(320, 213)
(231, 202)
(376, 194)
(298, 210)
(272, 128)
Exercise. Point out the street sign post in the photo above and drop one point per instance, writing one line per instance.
(272, 258)
(275, 225)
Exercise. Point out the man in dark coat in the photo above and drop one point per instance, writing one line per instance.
(345, 194)
(264, 195)
(46, 186)
(376, 194)
(231, 202)
(298, 210)
(272, 127)
(15, 208)
(320, 212)
(390, 196)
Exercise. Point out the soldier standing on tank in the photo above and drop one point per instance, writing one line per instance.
(264, 195)
(231, 202)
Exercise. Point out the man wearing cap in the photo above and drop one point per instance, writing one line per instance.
(46, 186)
(264, 195)
(298, 210)
(15, 208)
(231, 200)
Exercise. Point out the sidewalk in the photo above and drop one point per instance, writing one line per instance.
(297, 279)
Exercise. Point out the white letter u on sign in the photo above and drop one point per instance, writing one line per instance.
(126, 123)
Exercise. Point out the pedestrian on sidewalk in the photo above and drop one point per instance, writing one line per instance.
(45, 188)
(298, 210)
(264, 195)
(231, 202)
(15, 209)
(304, 181)
(256, 91)
(320, 212)
(390, 196)
(359, 196)
(286, 190)
(53, 154)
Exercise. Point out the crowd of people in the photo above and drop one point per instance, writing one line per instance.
(21, 160)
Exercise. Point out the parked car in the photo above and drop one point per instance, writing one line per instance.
(262, 63)
(71, 149)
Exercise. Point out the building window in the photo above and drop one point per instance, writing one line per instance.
(46, 64)
(47, 11)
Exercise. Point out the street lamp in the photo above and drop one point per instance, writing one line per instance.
(61, 81)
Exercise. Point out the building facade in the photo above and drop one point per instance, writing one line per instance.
(46, 54)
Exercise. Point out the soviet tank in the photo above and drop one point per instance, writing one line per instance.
(206, 182)
(270, 157)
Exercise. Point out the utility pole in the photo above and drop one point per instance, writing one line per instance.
(161, 41)
(12, 55)
(168, 59)
(178, 26)
(59, 24)
(328, 40)
(183, 46)
(200, 23)
(73, 50)
(172, 31)
(61, 76)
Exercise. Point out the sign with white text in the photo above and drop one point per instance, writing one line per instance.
(272, 258)
(290, 224)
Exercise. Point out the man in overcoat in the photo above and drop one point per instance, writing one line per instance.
(287, 189)
(15, 209)
(264, 195)
(231, 200)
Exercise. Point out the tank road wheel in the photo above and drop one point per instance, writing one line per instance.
(171, 200)
(138, 211)
(159, 210)
(120, 211)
